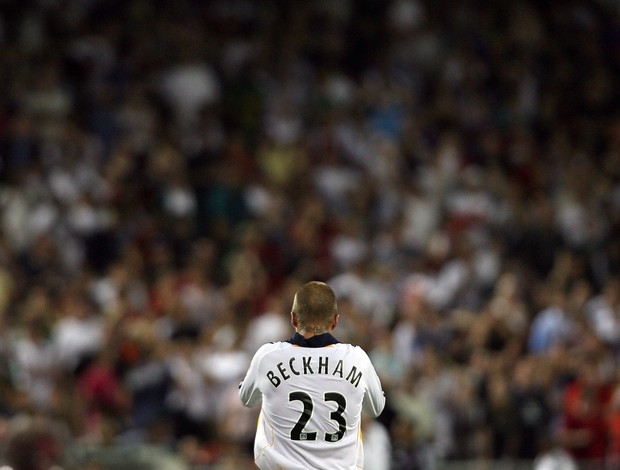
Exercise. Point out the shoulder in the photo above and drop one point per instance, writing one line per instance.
(350, 346)
(353, 350)
(270, 348)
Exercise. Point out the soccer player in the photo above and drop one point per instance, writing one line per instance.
(313, 390)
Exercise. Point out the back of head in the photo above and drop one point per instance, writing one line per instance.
(315, 305)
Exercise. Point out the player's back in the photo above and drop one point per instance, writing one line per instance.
(312, 404)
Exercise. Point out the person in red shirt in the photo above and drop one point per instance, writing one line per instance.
(584, 427)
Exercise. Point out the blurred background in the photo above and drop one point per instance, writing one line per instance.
(172, 171)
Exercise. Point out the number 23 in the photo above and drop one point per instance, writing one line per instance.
(298, 433)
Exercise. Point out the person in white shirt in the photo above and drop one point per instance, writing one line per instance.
(313, 390)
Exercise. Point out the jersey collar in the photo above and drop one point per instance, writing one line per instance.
(318, 341)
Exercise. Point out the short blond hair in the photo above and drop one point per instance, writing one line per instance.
(315, 305)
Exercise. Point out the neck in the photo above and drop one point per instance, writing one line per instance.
(310, 331)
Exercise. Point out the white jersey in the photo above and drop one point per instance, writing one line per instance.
(313, 393)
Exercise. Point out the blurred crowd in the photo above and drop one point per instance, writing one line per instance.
(172, 171)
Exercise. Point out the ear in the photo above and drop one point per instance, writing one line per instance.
(294, 320)
(335, 321)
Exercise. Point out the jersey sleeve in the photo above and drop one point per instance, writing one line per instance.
(249, 390)
(374, 398)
